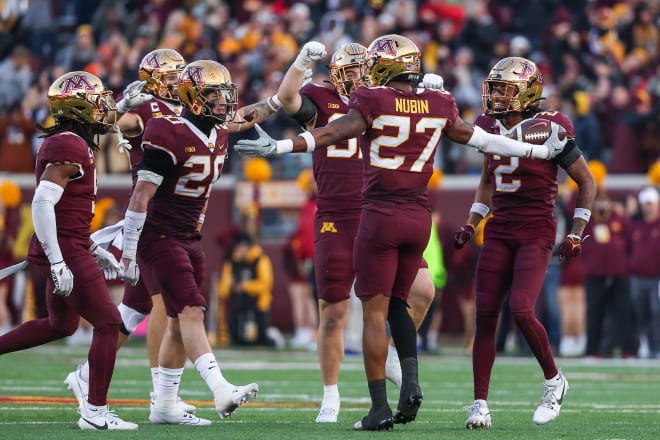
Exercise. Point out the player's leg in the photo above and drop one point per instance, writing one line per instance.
(333, 261)
(530, 266)
(493, 277)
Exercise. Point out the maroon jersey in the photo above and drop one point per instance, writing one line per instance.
(197, 162)
(150, 109)
(74, 211)
(337, 168)
(399, 145)
(645, 252)
(523, 190)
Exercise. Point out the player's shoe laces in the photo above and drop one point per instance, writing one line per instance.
(103, 419)
(551, 401)
(227, 399)
(393, 367)
(376, 420)
(327, 415)
(174, 415)
(78, 386)
(479, 415)
(410, 399)
(179, 402)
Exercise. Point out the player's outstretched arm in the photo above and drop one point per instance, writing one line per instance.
(287, 95)
(475, 137)
(345, 127)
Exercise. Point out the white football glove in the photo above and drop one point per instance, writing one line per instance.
(310, 52)
(555, 146)
(62, 278)
(133, 96)
(309, 73)
(106, 261)
(129, 271)
(264, 145)
(433, 81)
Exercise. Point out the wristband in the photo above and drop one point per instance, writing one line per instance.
(309, 140)
(274, 103)
(284, 146)
(582, 213)
(480, 208)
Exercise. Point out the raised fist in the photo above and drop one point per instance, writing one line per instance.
(309, 53)
(463, 235)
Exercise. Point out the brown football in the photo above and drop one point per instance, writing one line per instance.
(536, 131)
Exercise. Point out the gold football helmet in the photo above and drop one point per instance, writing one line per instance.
(81, 96)
(160, 68)
(393, 56)
(198, 80)
(348, 56)
(522, 87)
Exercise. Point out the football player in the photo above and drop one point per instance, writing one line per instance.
(182, 157)
(520, 236)
(401, 128)
(62, 207)
(156, 93)
(339, 175)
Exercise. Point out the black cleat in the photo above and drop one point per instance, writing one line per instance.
(376, 420)
(410, 399)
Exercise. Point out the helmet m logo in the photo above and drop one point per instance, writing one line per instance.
(384, 45)
(152, 61)
(526, 71)
(195, 75)
(76, 83)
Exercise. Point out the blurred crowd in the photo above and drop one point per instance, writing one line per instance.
(599, 59)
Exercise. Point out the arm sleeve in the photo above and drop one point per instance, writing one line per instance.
(45, 198)
(306, 113)
(570, 154)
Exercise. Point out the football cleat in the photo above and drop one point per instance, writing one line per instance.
(179, 402)
(410, 399)
(174, 415)
(479, 415)
(227, 399)
(327, 415)
(551, 401)
(103, 419)
(376, 420)
(78, 386)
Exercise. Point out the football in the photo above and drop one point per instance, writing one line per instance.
(535, 131)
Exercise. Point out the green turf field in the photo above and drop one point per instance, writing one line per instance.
(608, 399)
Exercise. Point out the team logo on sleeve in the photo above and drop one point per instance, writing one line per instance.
(76, 83)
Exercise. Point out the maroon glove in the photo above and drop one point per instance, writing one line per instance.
(570, 247)
(463, 235)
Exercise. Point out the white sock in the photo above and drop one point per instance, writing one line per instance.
(481, 401)
(207, 367)
(169, 380)
(330, 396)
(84, 371)
(154, 379)
(94, 410)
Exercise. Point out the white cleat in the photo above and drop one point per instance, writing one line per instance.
(103, 419)
(229, 398)
(78, 386)
(551, 401)
(479, 415)
(327, 415)
(174, 415)
(393, 367)
(179, 402)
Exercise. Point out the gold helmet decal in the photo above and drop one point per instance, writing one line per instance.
(82, 97)
(393, 57)
(201, 78)
(522, 91)
(348, 68)
(160, 68)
